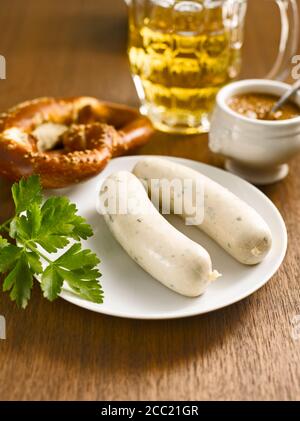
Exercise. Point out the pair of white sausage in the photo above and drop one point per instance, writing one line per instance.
(169, 256)
(161, 250)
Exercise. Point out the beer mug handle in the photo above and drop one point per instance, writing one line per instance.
(288, 39)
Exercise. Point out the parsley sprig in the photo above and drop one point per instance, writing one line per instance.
(40, 227)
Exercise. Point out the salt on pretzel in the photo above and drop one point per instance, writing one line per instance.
(67, 140)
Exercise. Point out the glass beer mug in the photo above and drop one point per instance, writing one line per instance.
(182, 52)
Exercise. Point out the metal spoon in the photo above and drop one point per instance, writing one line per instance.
(294, 88)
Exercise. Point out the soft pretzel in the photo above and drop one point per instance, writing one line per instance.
(68, 140)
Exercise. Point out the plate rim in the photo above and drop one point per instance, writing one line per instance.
(73, 299)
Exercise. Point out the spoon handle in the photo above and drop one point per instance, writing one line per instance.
(294, 88)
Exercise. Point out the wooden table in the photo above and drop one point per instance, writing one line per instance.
(59, 351)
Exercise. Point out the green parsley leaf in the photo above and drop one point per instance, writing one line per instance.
(27, 227)
(27, 192)
(75, 258)
(78, 268)
(60, 222)
(52, 282)
(50, 226)
(34, 262)
(9, 254)
(20, 282)
(3, 242)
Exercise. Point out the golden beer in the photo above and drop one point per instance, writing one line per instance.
(180, 57)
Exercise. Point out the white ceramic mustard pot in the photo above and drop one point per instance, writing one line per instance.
(257, 150)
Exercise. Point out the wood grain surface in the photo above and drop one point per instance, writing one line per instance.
(58, 351)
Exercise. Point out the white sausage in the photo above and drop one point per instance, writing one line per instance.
(168, 255)
(231, 222)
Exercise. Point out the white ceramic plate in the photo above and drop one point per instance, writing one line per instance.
(131, 292)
